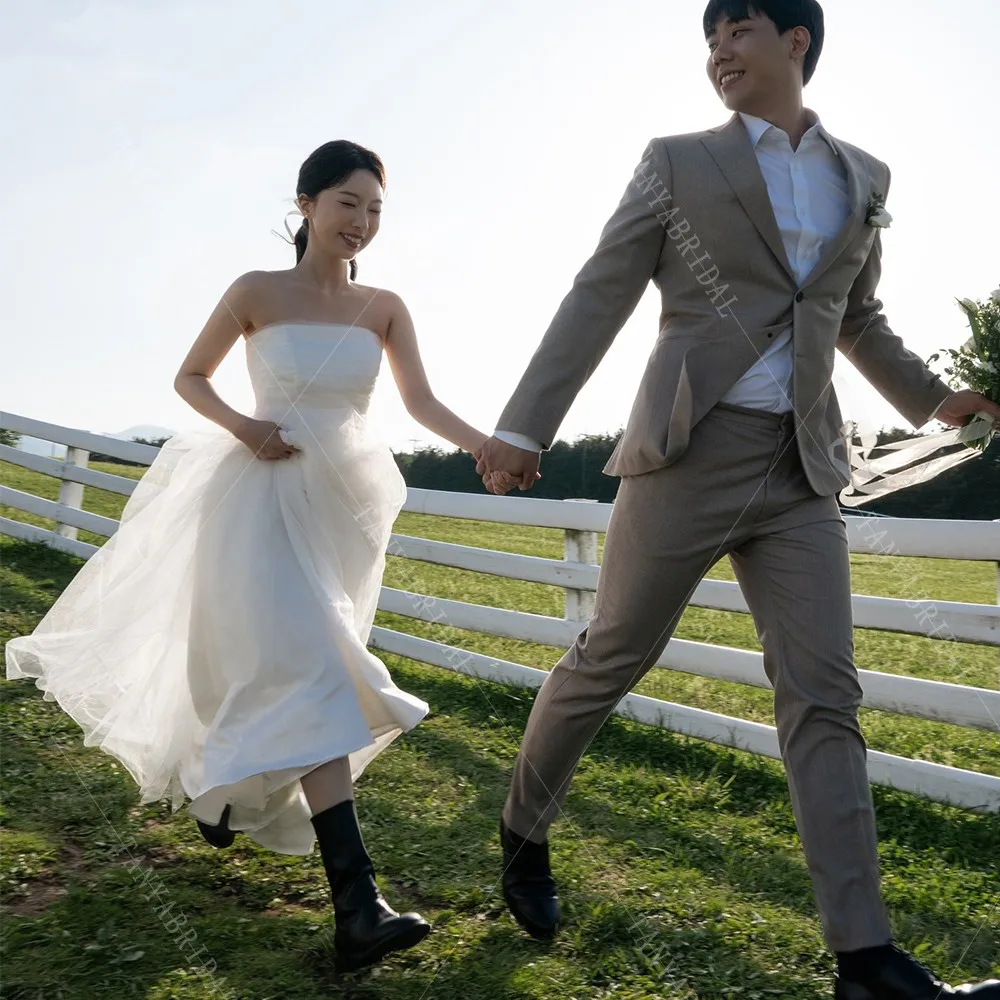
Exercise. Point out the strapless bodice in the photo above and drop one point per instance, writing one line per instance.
(313, 366)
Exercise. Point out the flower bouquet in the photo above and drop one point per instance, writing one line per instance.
(976, 364)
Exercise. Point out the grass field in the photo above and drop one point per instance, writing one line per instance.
(680, 869)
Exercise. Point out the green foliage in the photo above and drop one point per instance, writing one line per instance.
(680, 868)
(976, 365)
(574, 471)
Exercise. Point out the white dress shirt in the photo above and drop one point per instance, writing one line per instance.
(808, 191)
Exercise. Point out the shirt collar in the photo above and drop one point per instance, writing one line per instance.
(756, 127)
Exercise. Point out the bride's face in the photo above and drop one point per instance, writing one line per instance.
(344, 219)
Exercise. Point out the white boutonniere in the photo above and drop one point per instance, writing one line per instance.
(877, 216)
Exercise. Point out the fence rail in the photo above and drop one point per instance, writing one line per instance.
(577, 574)
(968, 789)
(965, 622)
(959, 704)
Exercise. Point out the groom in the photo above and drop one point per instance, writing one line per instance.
(763, 237)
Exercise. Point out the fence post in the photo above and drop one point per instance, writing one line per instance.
(579, 546)
(71, 494)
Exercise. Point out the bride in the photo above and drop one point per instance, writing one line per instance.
(217, 643)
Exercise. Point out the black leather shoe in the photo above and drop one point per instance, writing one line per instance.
(904, 978)
(368, 928)
(219, 835)
(528, 886)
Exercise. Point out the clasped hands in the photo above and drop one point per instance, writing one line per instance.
(503, 466)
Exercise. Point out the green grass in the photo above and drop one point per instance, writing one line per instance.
(681, 873)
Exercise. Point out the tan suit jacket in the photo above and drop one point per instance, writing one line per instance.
(696, 218)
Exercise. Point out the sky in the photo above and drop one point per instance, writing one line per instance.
(151, 149)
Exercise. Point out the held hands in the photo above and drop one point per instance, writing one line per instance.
(503, 466)
(262, 437)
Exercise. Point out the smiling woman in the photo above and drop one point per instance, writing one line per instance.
(339, 194)
(217, 644)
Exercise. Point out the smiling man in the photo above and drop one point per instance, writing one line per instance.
(763, 237)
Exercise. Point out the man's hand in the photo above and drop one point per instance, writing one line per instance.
(959, 406)
(504, 466)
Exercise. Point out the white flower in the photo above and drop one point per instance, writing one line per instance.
(996, 296)
(876, 215)
(880, 219)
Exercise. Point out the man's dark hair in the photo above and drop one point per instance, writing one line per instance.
(786, 14)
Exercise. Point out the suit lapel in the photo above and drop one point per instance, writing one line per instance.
(858, 185)
(732, 150)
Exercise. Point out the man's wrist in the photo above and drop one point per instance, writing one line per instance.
(937, 409)
(518, 440)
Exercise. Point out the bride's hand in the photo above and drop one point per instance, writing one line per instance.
(262, 437)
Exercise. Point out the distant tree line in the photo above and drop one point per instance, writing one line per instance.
(970, 491)
(96, 456)
(11, 439)
(573, 471)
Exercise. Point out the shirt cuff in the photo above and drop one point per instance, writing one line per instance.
(937, 409)
(518, 440)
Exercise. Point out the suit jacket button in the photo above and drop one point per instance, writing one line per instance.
(800, 297)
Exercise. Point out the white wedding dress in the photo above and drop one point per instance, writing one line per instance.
(216, 644)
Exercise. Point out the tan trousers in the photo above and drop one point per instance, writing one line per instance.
(739, 491)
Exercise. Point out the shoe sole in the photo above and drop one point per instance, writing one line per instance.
(219, 836)
(853, 991)
(409, 938)
(536, 931)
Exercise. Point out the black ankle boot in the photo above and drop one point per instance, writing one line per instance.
(367, 927)
(219, 835)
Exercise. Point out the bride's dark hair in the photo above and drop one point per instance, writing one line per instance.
(327, 167)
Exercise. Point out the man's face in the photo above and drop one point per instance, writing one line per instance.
(750, 64)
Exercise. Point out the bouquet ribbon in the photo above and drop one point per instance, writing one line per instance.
(913, 460)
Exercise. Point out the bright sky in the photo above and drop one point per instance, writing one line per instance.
(152, 147)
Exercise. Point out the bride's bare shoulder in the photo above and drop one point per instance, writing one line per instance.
(250, 298)
(268, 278)
(380, 297)
(369, 291)
(380, 304)
(263, 286)
(257, 281)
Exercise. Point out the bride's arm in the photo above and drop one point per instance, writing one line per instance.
(411, 379)
(229, 320)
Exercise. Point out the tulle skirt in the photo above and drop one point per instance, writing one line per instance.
(216, 644)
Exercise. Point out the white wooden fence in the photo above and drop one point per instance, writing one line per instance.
(577, 573)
